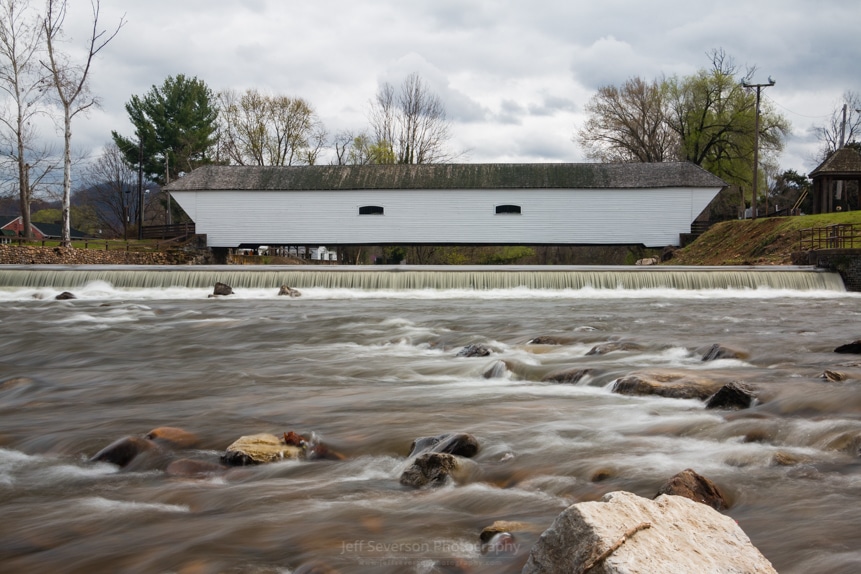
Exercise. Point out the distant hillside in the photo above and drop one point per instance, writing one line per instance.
(768, 241)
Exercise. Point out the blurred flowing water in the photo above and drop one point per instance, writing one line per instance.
(368, 371)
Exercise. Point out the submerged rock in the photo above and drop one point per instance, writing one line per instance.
(461, 444)
(288, 292)
(496, 371)
(259, 449)
(123, 451)
(716, 352)
(853, 348)
(625, 533)
(676, 385)
(548, 340)
(64, 296)
(436, 468)
(173, 437)
(731, 396)
(834, 376)
(222, 289)
(696, 487)
(568, 376)
(475, 350)
(501, 526)
(610, 347)
(192, 468)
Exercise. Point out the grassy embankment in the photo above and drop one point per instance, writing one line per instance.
(761, 241)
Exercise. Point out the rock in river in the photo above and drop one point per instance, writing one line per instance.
(461, 444)
(696, 487)
(436, 468)
(671, 384)
(258, 449)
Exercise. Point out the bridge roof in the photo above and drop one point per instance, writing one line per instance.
(448, 176)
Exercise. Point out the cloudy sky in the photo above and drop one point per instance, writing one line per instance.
(514, 75)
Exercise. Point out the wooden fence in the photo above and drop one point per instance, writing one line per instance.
(182, 230)
(839, 236)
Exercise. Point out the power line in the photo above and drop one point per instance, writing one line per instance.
(773, 101)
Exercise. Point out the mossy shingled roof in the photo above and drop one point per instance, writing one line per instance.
(448, 176)
(845, 161)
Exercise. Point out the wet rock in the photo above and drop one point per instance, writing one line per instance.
(496, 371)
(173, 437)
(123, 451)
(499, 544)
(488, 532)
(65, 296)
(259, 449)
(676, 385)
(848, 442)
(460, 444)
(625, 533)
(288, 292)
(696, 487)
(221, 289)
(191, 468)
(475, 350)
(853, 348)
(610, 347)
(781, 458)
(436, 469)
(568, 376)
(731, 396)
(834, 376)
(716, 352)
(602, 474)
(547, 340)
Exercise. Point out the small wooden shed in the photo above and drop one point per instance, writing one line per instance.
(843, 165)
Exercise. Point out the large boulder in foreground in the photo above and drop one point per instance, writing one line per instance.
(671, 384)
(627, 534)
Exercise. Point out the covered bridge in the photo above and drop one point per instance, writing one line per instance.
(492, 204)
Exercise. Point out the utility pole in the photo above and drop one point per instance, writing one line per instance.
(756, 146)
(140, 189)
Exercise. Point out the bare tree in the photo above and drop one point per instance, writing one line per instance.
(111, 188)
(70, 82)
(259, 129)
(628, 124)
(843, 127)
(21, 80)
(411, 124)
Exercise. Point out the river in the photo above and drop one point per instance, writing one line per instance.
(367, 371)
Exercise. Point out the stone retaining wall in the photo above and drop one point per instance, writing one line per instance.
(847, 262)
(30, 255)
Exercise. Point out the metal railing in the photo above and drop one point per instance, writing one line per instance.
(839, 236)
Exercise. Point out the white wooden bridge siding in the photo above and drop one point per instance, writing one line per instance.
(653, 217)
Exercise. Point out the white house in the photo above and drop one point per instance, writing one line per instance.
(492, 204)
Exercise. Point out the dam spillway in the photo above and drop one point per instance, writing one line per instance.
(402, 277)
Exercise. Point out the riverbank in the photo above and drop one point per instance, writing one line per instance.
(769, 241)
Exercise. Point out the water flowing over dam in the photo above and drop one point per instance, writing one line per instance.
(425, 277)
